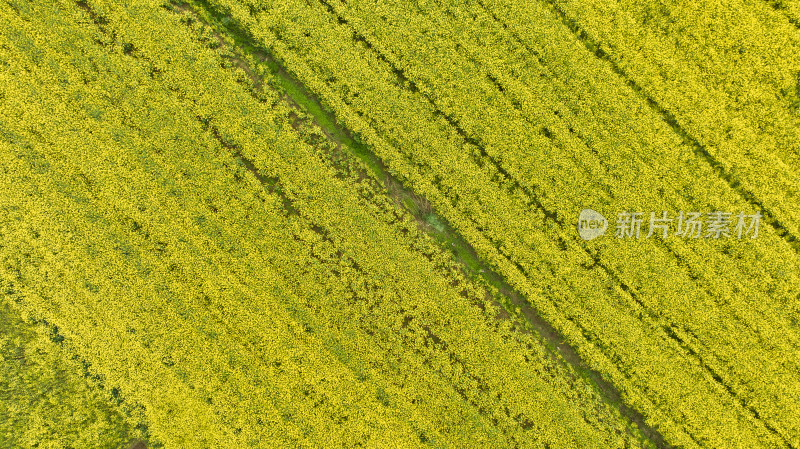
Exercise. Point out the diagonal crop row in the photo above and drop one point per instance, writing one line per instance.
(766, 323)
(542, 327)
(719, 96)
(200, 230)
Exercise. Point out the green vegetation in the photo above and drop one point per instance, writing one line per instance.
(690, 315)
(351, 224)
(48, 399)
(169, 279)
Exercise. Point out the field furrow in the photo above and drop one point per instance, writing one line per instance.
(150, 215)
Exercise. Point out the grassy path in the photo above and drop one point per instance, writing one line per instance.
(519, 310)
